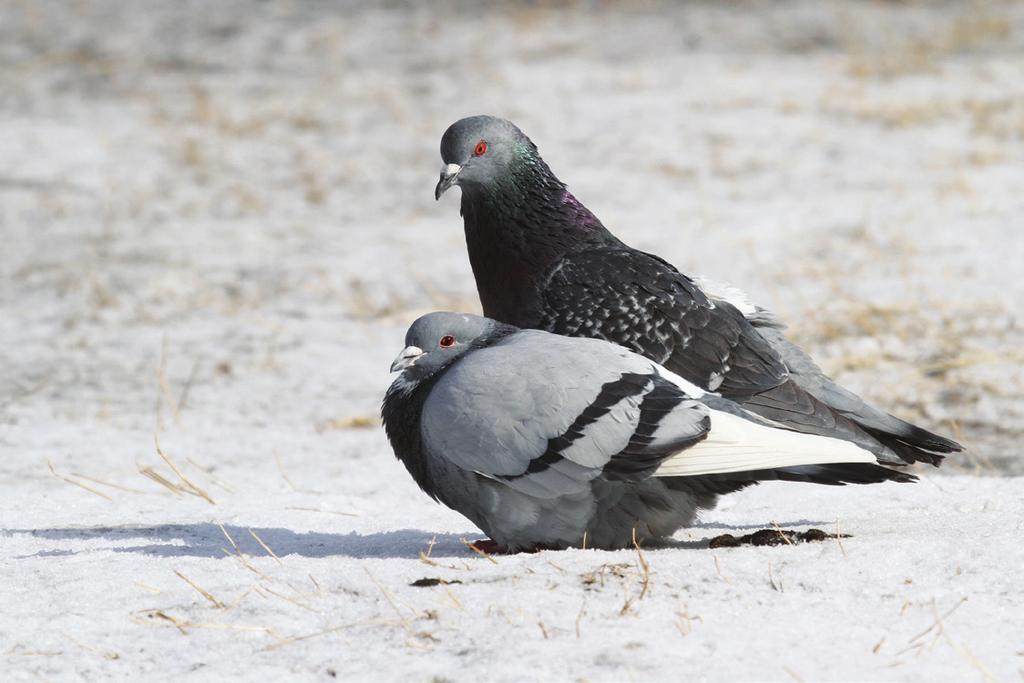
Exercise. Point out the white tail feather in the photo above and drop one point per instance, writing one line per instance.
(738, 445)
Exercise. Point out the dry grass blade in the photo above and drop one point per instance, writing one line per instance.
(147, 471)
(327, 512)
(238, 555)
(265, 546)
(627, 602)
(106, 654)
(427, 561)
(974, 661)
(164, 396)
(780, 532)
(290, 599)
(19, 651)
(451, 596)
(839, 538)
(183, 486)
(206, 471)
(685, 622)
(477, 550)
(179, 405)
(284, 475)
(391, 601)
(77, 483)
(425, 556)
(163, 391)
(771, 580)
(147, 616)
(430, 548)
(228, 536)
(241, 598)
(579, 617)
(106, 483)
(242, 560)
(645, 568)
(162, 616)
(220, 626)
(718, 570)
(205, 593)
(186, 485)
(334, 629)
(938, 621)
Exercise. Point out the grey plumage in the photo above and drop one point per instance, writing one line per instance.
(540, 439)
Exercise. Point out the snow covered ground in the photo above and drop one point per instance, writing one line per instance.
(217, 221)
(928, 587)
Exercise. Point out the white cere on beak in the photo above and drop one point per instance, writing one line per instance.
(449, 175)
(406, 358)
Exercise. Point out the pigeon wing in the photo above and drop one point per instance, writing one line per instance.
(641, 302)
(824, 406)
(547, 415)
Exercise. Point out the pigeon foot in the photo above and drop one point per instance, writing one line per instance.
(488, 547)
(491, 547)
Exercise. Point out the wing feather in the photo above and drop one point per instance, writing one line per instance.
(641, 302)
(563, 413)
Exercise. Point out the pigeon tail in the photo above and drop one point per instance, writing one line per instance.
(891, 436)
(915, 444)
(897, 443)
(828, 475)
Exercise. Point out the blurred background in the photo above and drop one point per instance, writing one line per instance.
(217, 218)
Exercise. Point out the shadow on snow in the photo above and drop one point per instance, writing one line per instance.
(207, 540)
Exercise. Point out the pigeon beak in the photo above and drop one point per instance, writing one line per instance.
(407, 358)
(449, 174)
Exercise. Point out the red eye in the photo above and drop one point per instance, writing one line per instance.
(480, 149)
(447, 341)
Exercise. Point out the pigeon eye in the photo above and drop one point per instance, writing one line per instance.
(480, 149)
(447, 341)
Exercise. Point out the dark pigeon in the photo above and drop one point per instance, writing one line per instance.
(542, 260)
(547, 441)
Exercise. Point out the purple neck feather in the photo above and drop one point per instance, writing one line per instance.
(516, 234)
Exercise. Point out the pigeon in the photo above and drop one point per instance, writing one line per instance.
(546, 441)
(543, 261)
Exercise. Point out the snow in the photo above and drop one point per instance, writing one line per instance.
(217, 222)
(926, 588)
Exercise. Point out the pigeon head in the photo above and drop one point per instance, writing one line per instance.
(481, 150)
(435, 340)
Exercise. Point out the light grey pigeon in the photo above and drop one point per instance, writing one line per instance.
(546, 441)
